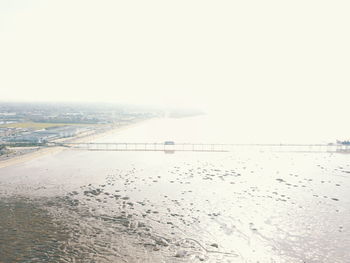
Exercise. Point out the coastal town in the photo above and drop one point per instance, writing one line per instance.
(25, 127)
(28, 127)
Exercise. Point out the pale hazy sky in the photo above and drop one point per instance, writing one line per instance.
(252, 57)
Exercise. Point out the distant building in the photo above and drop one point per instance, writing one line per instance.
(46, 135)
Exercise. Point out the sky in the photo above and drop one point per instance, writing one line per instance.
(270, 60)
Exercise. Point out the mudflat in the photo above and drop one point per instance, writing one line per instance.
(185, 207)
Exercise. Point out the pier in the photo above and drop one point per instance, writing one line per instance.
(203, 147)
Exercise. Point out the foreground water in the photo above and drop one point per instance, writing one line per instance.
(243, 206)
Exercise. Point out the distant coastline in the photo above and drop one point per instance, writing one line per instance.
(23, 154)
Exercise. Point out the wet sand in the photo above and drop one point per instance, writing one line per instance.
(243, 206)
(28, 156)
(189, 207)
(28, 233)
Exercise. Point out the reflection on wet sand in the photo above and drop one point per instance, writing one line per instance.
(244, 206)
(152, 207)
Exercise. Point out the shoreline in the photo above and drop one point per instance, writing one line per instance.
(56, 149)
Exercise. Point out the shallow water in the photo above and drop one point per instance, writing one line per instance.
(243, 206)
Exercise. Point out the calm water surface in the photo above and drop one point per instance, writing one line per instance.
(250, 205)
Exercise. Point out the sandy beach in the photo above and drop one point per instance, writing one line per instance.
(55, 149)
